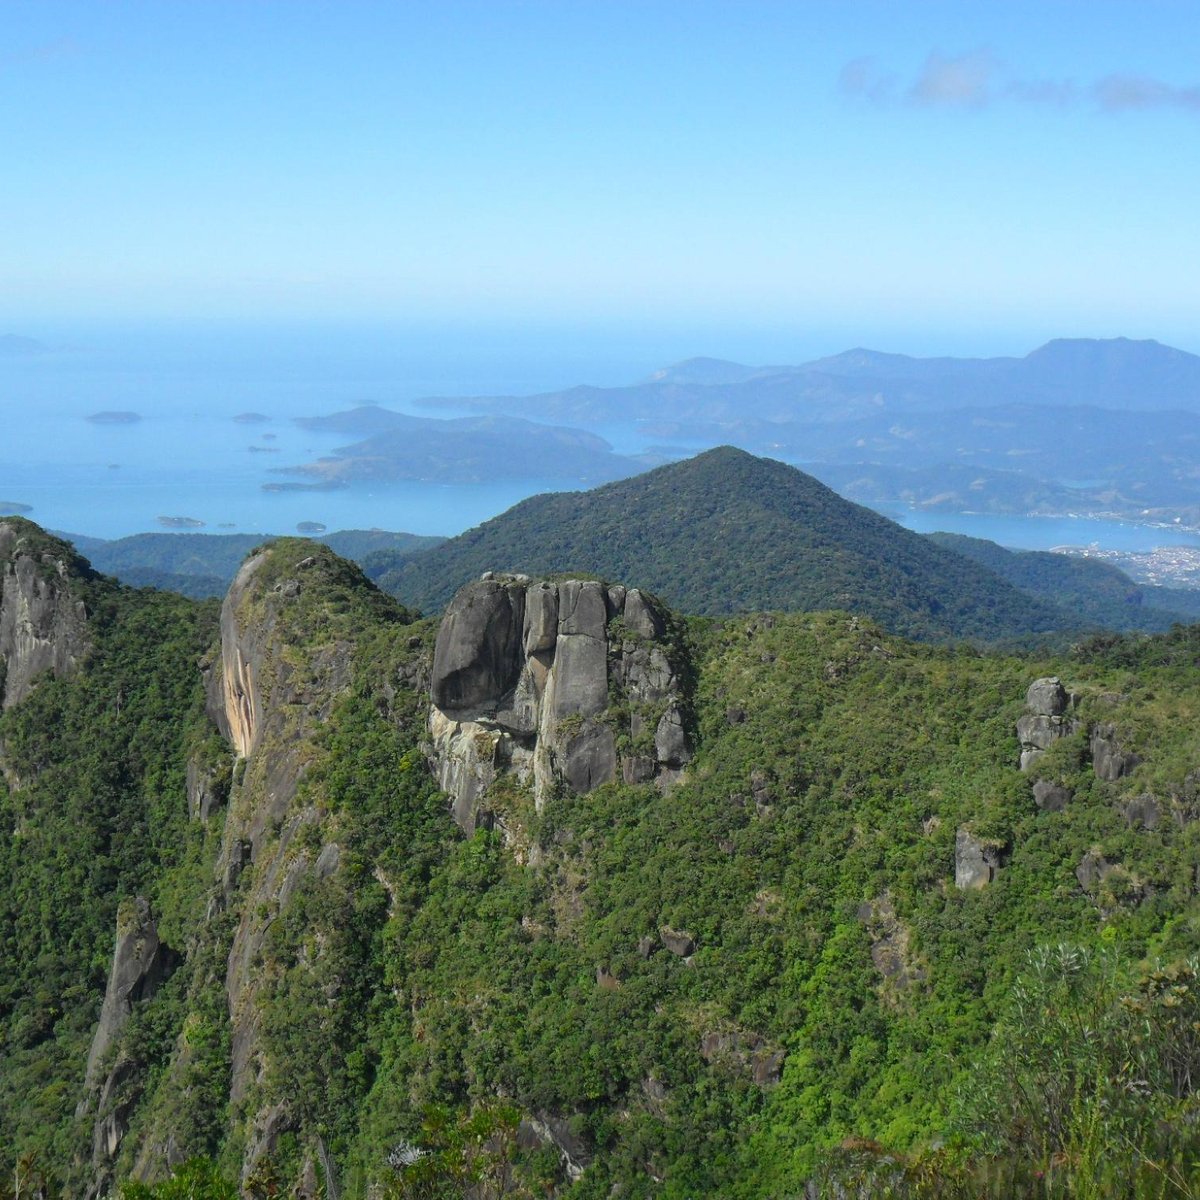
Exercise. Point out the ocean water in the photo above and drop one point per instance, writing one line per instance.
(187, 457)
(1048, 533)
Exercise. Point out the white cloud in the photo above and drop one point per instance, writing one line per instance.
(1123, 93)
(977, 79)
(965, 81)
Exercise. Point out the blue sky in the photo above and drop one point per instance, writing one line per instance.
(966, 177)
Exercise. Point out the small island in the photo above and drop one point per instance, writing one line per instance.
(181, 522)
(251, 418)
(311, 527)
(13, 508)
(324, 486)
(115, 418)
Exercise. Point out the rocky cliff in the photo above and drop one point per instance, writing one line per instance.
(43, 618)
(288, 628)
(114, 1081)
(563, 685)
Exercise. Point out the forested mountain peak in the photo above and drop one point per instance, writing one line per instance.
(726, 531)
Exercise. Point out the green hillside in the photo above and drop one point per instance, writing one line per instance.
(727, 532)
(845, 947)
(202, 565)
(1097, 592)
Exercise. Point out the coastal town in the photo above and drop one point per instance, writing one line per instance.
(1165, 566)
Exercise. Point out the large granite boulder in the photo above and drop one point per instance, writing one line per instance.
(479, 646)
(1047, 697)
(1050, 796)
(976, 861)
(545, 679)
(1045, 720)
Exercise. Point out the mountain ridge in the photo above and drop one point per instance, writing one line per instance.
(726, 531)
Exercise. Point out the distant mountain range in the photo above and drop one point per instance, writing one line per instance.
(202, 565)
(1087, 426)
(1118, 373)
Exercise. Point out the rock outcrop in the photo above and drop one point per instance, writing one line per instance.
(976, 860)
(287, 625)
(43, 621)
(1110, 758)
(1108, 884)
(1050, 796)
(890, 943)
(570, 684)
(141, 963)
(1046, 719)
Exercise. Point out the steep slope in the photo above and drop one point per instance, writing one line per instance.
(795, 930)
(94, 838)
(725, 532)
(1099, 593)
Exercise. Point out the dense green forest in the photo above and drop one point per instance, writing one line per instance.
(726, 532)
(1098, 593)
(766, 975)
(202, 565)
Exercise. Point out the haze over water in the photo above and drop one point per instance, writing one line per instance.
(188, 457)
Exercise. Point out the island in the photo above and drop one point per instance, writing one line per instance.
(251, 418)
(115, 418)
(13, 508)
(323, 486)
(311, 527)
(181, 522)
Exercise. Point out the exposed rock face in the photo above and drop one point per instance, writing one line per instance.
(743, 1051)
(43, 626)
(1046, 720)
(976, 861)
(1108, 884)
(1051, 797)
(280, 670)
(890, 939)
(207, 788)
(235, 703)
(478, 651)
(545, 1129)
(542, 679)
(1143, 810)
(1110, 760)
(141, 964)
(678, 941)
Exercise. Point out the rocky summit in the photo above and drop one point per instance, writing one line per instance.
(567, 684)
